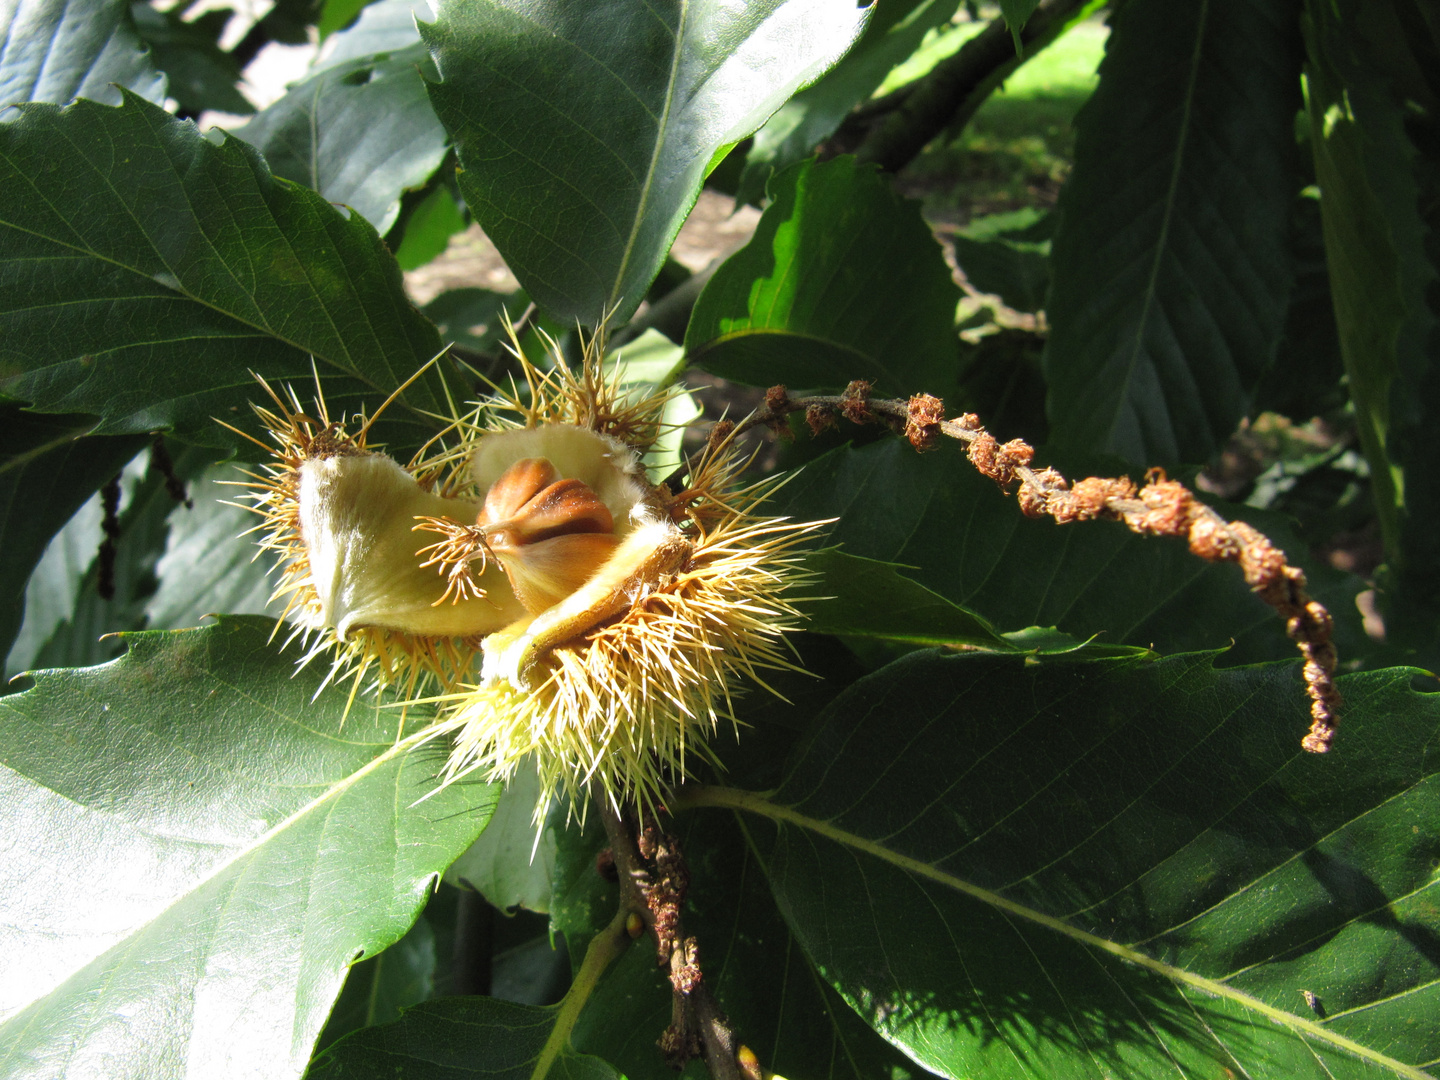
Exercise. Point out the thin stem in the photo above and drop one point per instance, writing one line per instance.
(605, 947)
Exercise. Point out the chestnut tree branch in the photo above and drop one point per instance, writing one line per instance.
(955, 88)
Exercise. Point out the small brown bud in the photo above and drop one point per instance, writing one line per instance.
(634, 925)
(819, 417)
(855, 402)
(922, 421)
(749, 1063)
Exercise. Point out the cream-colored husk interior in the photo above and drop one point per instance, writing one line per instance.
(357, 518)
(610, 468)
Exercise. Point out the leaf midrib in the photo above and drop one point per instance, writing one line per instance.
(1147, 302)
(759, 803)
(242, 852)
(662, 129)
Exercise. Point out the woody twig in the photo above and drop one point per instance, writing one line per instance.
(653, 881)
(1161, 507)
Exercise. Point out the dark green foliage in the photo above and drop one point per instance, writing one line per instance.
(170, 245)
(47, 470)
(969, 543)
(1075, 868)
(794, 306)
(199, 74)
(1384, 281)
(1172, 273)
(1031, 801)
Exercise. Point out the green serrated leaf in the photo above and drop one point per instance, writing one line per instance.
(147, 272)
(57, 50)
(972, 545)
(861, 597)
(894, 32)
(199, 74)
(1121, 870)
(216, 850)
(1017, 13)
(360, 131)
(842, 280)
(585, 132)
(454, 1038)
(48, 470)
(1171, 262)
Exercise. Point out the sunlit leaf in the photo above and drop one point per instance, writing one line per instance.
(56, 50)
(585, 131)
(198, 852)
(842, 280)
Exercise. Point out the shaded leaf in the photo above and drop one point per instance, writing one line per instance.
(208, 567)
(861, 597)
(1016, 271)
(428, 229)
(380, 987)
(459, 1037)
(56, 50)
(146, 272)
(215, 850)
(87, 630)
(472, 317)
(1171, 263)
(1116, 870)
(842, 280)
(1380, 274)
(199, 74)
(512, 862)
(973, 546)
(585, 132)
(48, 470)
(1306, 378)
(894, 32)
(359, 131)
